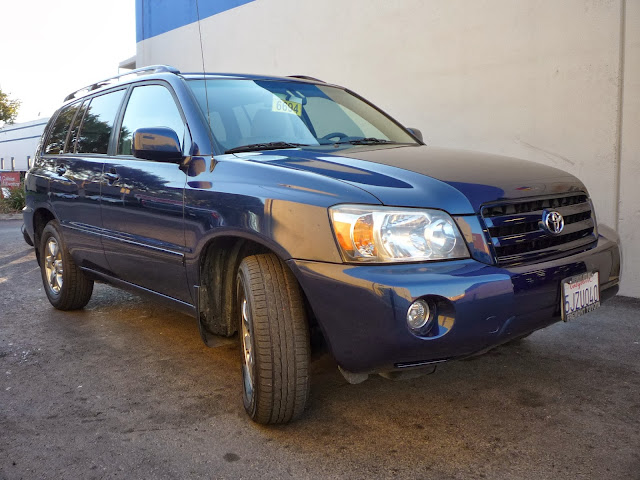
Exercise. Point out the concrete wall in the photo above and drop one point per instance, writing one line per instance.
(20, 141)
(553, 82)
(629, 219)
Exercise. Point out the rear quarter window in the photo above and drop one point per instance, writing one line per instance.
(58, 136)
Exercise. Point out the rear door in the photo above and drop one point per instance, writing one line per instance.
(142, 200)
(77, 176)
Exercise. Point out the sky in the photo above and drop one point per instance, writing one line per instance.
(50, 48)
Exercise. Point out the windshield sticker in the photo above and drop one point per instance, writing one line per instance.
(286, 106)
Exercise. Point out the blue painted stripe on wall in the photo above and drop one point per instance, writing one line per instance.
(154, 17)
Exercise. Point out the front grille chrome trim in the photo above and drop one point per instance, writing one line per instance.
(517, 235)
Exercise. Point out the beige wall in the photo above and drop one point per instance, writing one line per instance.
(539, 80)
(629, 220)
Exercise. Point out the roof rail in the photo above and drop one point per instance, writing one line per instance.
(306, 77)
(108, 81)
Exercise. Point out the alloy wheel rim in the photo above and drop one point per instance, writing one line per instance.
(53, 265)
(248, 360)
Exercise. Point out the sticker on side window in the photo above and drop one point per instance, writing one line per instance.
(286, 106)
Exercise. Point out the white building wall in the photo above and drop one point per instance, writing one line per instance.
(19, 141)
(540, 80)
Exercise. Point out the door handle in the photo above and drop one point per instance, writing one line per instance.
(112, 177)
(61, 170)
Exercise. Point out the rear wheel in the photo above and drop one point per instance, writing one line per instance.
(274, 340)
(64, 283)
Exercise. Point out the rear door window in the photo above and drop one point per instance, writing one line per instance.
(149, 106)
(98, 121)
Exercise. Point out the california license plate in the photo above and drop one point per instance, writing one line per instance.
(580, 295)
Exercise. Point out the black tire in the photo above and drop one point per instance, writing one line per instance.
(276, 382)
(67, 288)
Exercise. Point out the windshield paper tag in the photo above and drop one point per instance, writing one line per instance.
(286, 106)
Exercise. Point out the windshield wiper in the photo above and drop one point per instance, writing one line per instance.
(264, 146)
(367, 141)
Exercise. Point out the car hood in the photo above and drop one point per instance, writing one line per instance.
(457, 181)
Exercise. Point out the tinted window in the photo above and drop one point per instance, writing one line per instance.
(60, 128)
(98, 123)
(149, 106)
(75, 128)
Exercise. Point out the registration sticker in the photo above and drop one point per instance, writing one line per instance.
(580, 295)
(286, 106)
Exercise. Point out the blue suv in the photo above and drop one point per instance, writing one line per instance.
(296, 213)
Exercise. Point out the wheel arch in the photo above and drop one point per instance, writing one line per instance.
(218, 264)
(41, 216)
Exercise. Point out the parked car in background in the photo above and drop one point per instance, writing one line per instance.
(288, 210)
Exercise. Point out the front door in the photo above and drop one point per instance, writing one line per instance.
(142, 201)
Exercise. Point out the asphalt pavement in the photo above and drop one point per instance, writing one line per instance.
(126, 389)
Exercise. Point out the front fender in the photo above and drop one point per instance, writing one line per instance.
(283, 209)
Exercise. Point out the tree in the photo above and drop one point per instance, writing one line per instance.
(8, 108)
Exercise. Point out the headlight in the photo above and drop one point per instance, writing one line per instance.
(386, 234)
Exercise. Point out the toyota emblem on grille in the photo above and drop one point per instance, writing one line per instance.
(553, 221)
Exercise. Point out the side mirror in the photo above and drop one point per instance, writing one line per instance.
(416, 133)
(160, 144)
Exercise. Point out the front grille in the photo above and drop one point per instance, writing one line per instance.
(517, 234)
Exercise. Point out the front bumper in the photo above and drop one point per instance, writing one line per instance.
(361, 309)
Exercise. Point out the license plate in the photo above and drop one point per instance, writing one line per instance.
(580, 295)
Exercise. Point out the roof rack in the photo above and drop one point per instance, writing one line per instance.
(306, 77)
(108, 81)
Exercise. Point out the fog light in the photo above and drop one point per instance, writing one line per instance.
(418, 315)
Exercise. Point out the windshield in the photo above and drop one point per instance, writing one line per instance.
(247, 115)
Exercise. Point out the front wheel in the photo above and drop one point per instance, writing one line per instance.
(274, 340)
(64, 283)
